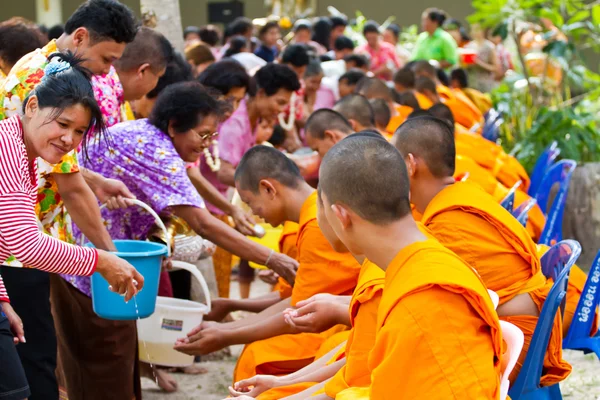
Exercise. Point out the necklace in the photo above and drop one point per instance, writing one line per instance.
(214, 164)
(289, 124)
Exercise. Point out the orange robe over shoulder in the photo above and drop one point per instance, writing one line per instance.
(423, 100)
(321, 270)
(287, 246)
(402, 113)
(465, 112)
(471, 223)
(438, 335)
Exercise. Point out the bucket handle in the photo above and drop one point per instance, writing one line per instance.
(194, 271)
(159, 222)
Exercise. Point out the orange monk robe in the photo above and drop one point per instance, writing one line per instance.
(321, 270)
(402, 113)
(438, 335)
(471, 223)
(577, 280)
(424, 101)
(481, 100)
(464, 111)
(287, 246)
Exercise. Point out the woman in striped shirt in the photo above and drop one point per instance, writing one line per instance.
(57, 116)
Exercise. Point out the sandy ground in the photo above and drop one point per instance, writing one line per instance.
(582, 384)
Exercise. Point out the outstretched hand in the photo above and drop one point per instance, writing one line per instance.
(253, 387)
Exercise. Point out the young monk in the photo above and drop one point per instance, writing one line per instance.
(437, 333)
(357, 110)
(427, 88)
(404, 81)
(471, 223)
(271, 184)
(373, 88)
(382, 113)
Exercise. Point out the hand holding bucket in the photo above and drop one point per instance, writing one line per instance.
(122, 277)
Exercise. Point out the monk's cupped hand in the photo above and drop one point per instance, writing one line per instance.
(284, 266)
(204, 342)
(316, 316)
(254, 386)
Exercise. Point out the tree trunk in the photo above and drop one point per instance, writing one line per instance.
(582, 212)
(165, 17)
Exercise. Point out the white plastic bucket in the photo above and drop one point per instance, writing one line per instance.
(172, 319)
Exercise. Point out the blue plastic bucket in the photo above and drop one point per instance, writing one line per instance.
(146, 257)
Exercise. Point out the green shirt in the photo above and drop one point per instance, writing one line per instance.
(440, 46)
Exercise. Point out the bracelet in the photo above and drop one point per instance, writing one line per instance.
(269, 258)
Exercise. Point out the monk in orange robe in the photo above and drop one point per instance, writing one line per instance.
(287, 246)
(271, 184)
(357, 111)
(438, 335)
(404, 81)
(471, 223)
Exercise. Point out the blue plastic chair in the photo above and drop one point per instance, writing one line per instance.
(557, 262)
(491, 131)
(560, 173)
(579, 336)
(509, 201)
(521, 213)
(544, 161)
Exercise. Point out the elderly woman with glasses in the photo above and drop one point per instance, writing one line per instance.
(149, 156)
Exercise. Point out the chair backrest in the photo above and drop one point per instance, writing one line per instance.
(521, 213)
(544, 161)
(492, 131)
(564, 255)
(581, 326)
(560, 173)
(514, 338)
(509, 201)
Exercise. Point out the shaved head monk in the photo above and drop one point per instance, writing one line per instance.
(437, 332)
(324, 128)
(374, 88)
(271, 184)
(404, 81)
(357, 110)
(471, 223)
(428, 88)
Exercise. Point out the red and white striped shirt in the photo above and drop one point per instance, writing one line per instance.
(19, 232)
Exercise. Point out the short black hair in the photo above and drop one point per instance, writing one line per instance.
(382, 112)
(374, 87)
(183, 105)
(395, 29)
(430, 139)
(338, 20)
(459, 75)
(273, 77)
(149, 46)
(436, 15)
(359, 60)
(371, 27)
(356, 107)
(442, 112)
(267, 27)
(353, 76)
(408, 99)
(17, 38)
(236, 44)
(326, 119)
(424, 68)
(178, 70)
(55, 31)
(405, 77)
(297, 55)
(322, 32)
(240, 26)
(225, 75)
(442, 76)
(262, 162)
(105, 20)
(63, 89)
(343, 43)
(351, 173)
(278, 136)
(423, 83)
(189, 30)
(209, 35)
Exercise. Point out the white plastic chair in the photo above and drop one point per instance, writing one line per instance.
(513, 337)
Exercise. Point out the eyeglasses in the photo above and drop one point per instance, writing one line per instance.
(205, 136)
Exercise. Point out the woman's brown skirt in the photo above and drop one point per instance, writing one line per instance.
(98, 358)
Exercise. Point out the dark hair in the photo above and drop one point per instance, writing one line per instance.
(409, 99)
(460, 76)
(382, 112)
(359, 60)
(267, 27)
(405, 77)
(353, 76)
(326, 119)
(322, 32)
(189, 30)
(296, 54)
(424, 83)
(273, 77)
(262, 162)
(149, 46)
(178, 70)
(278, 136)
(105, 20)
(371, 27)
(338, 20)
(325, 58)
(342, 43)
(454, 24)
(17, 38)
(395, 29)
(66, 88)
(236, 44)
(313, 68)
(209, 35)
(442, 112)
(356, 107)
(436, 15)
(182, 104)
(55, 32)
(225, 75)
(442, 76)
(240, 26)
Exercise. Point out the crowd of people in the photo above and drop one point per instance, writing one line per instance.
(380, 284)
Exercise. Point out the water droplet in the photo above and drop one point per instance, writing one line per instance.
(137, 312)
